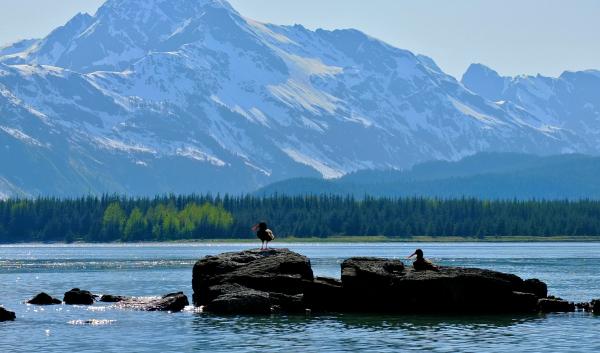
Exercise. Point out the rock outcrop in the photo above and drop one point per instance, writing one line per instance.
(259, 282)
(6, 315)
(252, 281)
(77, 296)
(381, 285)
(44, 299)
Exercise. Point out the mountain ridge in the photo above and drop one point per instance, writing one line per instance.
(228, 104)
(484, 175)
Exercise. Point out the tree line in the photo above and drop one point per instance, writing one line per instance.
(113, 218)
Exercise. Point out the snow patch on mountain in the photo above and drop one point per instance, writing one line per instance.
(469, 111)
(198, 155)
(298, 94)
(20, 135)
(326, 171)
(113, 144)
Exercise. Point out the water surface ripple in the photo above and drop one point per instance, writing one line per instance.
(572, 270)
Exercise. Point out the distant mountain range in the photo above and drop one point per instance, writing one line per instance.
(485, 175)
(157, 96)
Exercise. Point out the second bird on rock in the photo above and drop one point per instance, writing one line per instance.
(264, 234)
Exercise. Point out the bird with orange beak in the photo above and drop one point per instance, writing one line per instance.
(264, 234)
(421, 263)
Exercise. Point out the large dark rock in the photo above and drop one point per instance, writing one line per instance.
(252, 281)
(6, 315)
(381, 285)
(78, 296)
(261, 282)
(555, 305)
(43, 299)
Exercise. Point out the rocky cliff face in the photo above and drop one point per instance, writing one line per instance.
(158, 96)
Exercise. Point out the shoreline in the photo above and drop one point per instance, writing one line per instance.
(416, 239)
(351, 239)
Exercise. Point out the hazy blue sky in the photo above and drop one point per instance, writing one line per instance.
(511, 36)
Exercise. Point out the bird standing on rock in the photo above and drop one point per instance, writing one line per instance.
(421, 263)
(265, 235)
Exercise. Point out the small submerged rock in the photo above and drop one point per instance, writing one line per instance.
(6, 315)
(584, 306)
(43, 299)
(555, 305)
(77, 296)
(595, 306)
(173, 302)
(92, 322)
(108, 298)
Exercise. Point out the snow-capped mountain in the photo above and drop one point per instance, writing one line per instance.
(154, 96)
(570, 102)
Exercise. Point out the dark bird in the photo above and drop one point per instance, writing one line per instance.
(265, 235)
(421, 263)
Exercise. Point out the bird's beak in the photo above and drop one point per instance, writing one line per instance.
(413, 254)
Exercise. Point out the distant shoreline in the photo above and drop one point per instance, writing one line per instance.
(354, 239)
(416, 239)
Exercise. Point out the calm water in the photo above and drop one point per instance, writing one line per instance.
(571, 271)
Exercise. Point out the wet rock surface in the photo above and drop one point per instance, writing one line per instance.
(534, 286)
(252, 281)
(261, 282)
(44, 299)
(325, 294)
(555, 305)
(77, 296)
(6, 315)
(380, 285)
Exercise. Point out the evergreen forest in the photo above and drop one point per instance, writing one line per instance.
(114, 218)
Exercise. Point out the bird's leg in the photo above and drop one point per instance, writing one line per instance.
(262, 244)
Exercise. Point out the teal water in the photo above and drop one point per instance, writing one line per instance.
(571, 270)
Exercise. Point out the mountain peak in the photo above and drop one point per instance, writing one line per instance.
(122, 32)
(165, 9)
(484, 81)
